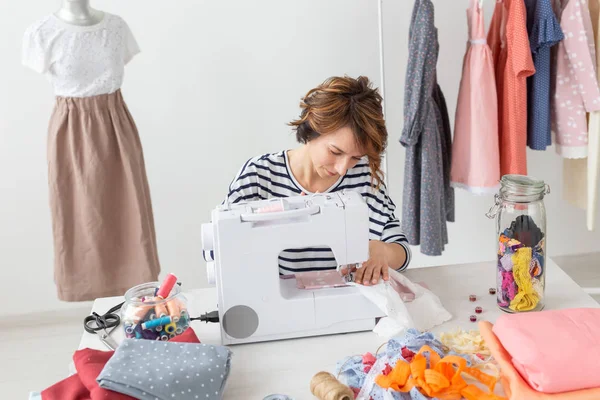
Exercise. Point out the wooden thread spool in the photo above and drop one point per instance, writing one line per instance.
(324, 386)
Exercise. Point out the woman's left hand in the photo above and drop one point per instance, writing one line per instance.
(376, 266)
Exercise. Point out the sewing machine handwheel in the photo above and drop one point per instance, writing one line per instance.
(240, 322)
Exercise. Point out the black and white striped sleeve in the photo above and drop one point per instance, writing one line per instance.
(384, 225)
(245, 186)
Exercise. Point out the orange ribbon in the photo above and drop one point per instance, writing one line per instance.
(443, 379)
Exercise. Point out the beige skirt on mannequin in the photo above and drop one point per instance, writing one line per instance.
(102, 221)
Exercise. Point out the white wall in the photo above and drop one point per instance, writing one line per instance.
(214, 85)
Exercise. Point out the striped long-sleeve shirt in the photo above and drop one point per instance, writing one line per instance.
(269, 176)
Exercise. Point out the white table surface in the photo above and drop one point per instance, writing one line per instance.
(286, 367)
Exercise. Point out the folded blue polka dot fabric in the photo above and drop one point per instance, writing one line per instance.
(154, 370)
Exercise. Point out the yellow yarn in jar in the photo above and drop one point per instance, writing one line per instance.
(527, 298)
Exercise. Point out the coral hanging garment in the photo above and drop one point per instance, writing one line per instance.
(509, 42)
(475, 161)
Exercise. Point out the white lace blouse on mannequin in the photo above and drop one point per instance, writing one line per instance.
(80, 61)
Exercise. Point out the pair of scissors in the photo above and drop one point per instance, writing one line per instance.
(103, 325)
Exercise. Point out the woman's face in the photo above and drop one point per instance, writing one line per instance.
(333, 154)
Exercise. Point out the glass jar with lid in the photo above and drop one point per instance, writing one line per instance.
(146, 316)
(521, 243)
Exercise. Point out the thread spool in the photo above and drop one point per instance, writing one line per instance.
(185, 318)
(164, 338)
(149, 334)
(174, 309)
(160, 307)
(325, 386)
(156, 322)
(137, 314)
(166, 287)
(170, 328)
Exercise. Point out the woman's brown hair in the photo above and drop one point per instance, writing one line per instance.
(346, 102)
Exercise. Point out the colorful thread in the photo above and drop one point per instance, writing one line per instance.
(170, 328)
(165, 289)
(520, 268)
(526, 298)
(157, 323)
(141, 321)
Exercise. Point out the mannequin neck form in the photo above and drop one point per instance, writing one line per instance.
(79, 12)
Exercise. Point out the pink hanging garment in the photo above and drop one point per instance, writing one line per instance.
(580, 176)
(475, 151)
(577, 89)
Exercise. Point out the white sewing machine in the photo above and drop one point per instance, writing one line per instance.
(254, 303)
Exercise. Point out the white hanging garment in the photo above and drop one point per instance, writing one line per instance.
(593, 166)
(575, 180)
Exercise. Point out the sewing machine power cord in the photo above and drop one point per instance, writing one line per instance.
(212, 316)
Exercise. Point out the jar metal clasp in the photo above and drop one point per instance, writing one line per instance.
(491, 214)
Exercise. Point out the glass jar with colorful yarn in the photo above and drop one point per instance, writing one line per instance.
(148, 316)
(521, 243)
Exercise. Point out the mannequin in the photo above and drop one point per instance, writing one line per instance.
(102, 219)
(79, 12)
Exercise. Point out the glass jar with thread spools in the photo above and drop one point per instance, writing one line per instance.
(521, 243)
(148, 316)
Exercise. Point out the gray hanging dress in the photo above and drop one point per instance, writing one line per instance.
(428, 199)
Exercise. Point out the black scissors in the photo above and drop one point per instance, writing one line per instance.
(95, 323)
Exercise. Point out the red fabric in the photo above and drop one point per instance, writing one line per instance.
(368, 359)
(89, 363)
(387, 369)
(70, 388)
(407, 354)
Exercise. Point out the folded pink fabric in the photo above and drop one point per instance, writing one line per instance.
(319, 280)
(554, 351)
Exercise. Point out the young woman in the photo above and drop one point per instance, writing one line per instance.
(342, 134)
